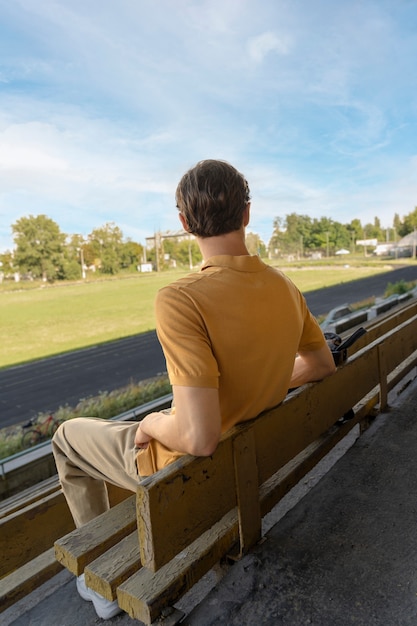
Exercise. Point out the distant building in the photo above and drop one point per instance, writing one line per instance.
(385, 249)
(179, 235)
(407, 245)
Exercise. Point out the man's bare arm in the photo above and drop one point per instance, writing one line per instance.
(312, 365)
(194, 427)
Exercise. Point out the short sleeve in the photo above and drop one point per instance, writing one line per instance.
(184, 339)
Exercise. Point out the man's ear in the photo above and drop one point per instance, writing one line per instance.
(184, 222)
(246, 215)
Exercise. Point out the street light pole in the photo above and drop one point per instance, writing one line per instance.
(82, 263)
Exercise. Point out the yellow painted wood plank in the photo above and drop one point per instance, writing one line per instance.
(284, 432)
(397, 375)
(27, 532)
(383, 377)
(28, 496)
(78, 548)
(27, 578)
(146, 594)
(278, 485)
(178, 504)
(247, 489)
(112, 568)
(400, 343)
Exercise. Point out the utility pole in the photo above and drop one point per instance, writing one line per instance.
(157, 243)
(82, 263)
(81, 251)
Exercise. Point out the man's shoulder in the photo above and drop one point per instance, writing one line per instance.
(179, 288)
(185, 281)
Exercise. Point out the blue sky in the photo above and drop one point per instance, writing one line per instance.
(105, 103)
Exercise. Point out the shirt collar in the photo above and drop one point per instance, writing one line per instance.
(244, 263)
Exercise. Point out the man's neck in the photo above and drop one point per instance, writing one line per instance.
(231, 244)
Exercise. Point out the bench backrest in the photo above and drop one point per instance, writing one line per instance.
(178, 504)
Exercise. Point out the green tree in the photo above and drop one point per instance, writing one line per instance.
(131, 254)
(107, 243)
(186, 252)
(255, 245)
(396, 224)
(410, 222)
(73, 267)
(321, 235)
(39, 246)
(277, 242)
(374, 231)
(298, 232)
(6, 263)
(355, 231)
(340, 236)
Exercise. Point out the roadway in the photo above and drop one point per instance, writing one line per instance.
(44, 385)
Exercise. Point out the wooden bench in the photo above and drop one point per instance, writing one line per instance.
(30, 522)
(153, 547)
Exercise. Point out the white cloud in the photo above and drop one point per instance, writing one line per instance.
(104, 107)
(24, 148)
(260, 46)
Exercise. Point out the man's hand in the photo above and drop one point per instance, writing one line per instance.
(141, 439)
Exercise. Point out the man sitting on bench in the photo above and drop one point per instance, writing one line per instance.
(236, 336)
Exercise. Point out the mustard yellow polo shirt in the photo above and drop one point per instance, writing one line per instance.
(235, 325)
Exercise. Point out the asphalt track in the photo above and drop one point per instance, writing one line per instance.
(44, 385)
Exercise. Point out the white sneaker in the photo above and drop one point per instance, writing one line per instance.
(104, 608)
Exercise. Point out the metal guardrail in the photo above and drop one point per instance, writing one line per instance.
(361, 316)
(44, 449)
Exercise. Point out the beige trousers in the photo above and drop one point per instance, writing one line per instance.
(88, 452)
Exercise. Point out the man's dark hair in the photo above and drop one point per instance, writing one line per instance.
(212, 196)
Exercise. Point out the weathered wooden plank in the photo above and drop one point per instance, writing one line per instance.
(27, 578)
(28, 532)
(146, 594)
(278, 485)
(397, 375)
(83, 545)
(247, 489)
(284, 432)
(400, 343)
(383, 377)
(109, 570)
(179, 503)
(29, 496)
(32, 522)
(386, 322)
(383, 324)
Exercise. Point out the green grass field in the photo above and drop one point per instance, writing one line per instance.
(51, 319)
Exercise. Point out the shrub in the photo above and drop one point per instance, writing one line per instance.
(105, 405)
(398, 288)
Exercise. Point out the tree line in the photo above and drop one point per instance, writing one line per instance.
(304, 236)
(43, 251)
